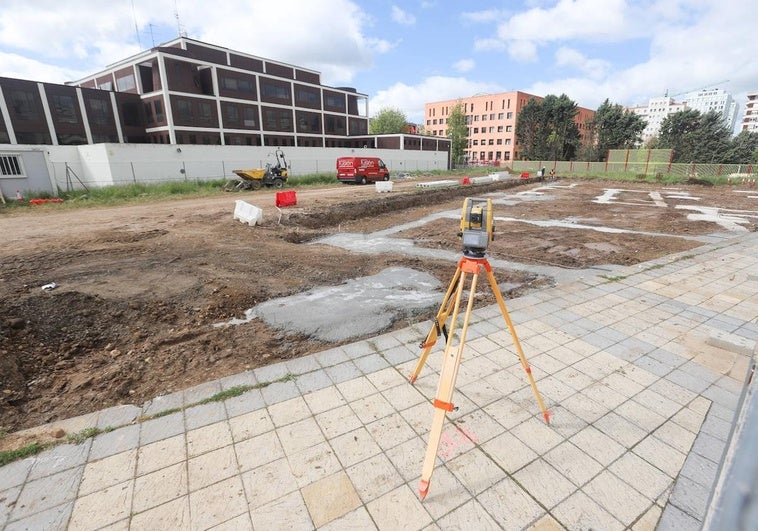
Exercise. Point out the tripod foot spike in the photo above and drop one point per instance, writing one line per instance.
(423, 489)
(413, 379)
(547, 414)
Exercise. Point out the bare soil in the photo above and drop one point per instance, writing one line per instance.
(140, 286)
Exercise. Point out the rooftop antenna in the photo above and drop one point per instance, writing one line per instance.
(152, 37)
(182, 31)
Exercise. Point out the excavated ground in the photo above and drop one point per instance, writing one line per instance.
(140, 286)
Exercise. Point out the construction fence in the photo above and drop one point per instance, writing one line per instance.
(642, 163)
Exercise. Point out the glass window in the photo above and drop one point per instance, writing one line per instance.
(249, 117)
(149, 113)
(508, 128)
(63, 107)
(184, 110)
(24, 105)
(205, 112)
(158, 111)
(99, 112)
(500, 116)
(492, 116)
(232, 115)
(125, 83)
(499, 128)
(509, 115)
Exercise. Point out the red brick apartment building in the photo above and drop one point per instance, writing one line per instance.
(188, 92)
(491, 120)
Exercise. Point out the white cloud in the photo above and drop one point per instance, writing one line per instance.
(487, 15)
(411, 98)
(464, 65)
(594, 68)
(333, 37)
(402, 17)
(522, 51)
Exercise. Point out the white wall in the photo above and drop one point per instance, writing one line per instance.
(108, 164)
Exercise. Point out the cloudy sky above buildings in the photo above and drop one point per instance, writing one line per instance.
(404, 53)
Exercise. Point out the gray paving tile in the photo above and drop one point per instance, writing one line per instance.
(313, 381)
(652, 365)
(400, 354)
(371, 363)
(15, 473)
(163, 403)
(244, 403)
(60, 458)
(114, 442)
(53, 519)
(118, 416)
(271, 373)
(686, 380)
(722, 396)
(716, 427)
(47, 492)
(279, 392)
(246, 378)
(709, 447)
(202, 415)
(302, 365)
(195, 394)
(700, 470)
(343, 372)
(334, 356)
(690, 497)
(161, 428)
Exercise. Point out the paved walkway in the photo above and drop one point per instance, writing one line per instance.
(643, 373)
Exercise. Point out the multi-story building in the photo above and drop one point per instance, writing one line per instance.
(750, 118)
(654, 113)
(703, 100)
(187, 92)
(491, 121)
(714, 99)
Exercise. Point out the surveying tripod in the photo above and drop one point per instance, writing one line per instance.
(468, 265)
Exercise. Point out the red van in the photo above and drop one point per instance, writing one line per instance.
(361, 170)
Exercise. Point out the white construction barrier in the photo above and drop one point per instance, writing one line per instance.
(383, 186)
(247, 213)
(437, 184)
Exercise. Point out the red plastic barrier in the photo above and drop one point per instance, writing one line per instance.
(466, 180)
(525, 175)
(287, 198)
(41, 201)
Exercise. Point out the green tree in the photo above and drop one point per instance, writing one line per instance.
(614, 128)
(742, 148)
(387, 121)
(547, 130)
(457, 131)
(529, 129)
(695, 137)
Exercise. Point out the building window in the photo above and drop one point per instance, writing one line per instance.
(306, 97)
(232, 115)
(475, 143)
(158, 111)
(205, 114)
(492, 116)
(125, 83)
(24, 105)
(10, 166)
(476, 118)
(507, 141)
(63, 106)
(509, 115)
(99, 112)
(334, 102)
(508, 128)
(484, 117)
(507, 155)
(500, 116)
(491, 141)
(107, 85)
(499, 141)
(476, 130)
(492, 130)
(184, 112)
(249, 117)
(499, 128)
(149, 113)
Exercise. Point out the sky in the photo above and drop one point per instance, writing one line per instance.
(405, 53)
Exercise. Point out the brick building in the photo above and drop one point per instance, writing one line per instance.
(491, 121)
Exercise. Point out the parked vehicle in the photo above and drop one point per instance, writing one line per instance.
(361, 170)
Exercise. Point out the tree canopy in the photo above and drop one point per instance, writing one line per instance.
(546, 129)
(695, 137)
(457, 131)
(388, 121)
(613, 128)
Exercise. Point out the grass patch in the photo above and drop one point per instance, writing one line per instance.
(34, 448)
(616, 278)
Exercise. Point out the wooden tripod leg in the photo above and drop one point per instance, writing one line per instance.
(516, 342)
(438, 325)
(442, 403)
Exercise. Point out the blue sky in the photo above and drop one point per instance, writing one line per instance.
(404, 53)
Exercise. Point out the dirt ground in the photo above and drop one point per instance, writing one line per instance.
(139, 287)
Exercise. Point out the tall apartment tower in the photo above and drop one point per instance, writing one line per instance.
(750, 118)
(491, 121)
(656, 110)
(714, 99)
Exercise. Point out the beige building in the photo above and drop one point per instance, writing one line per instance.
(750, 119)
(491, 121)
